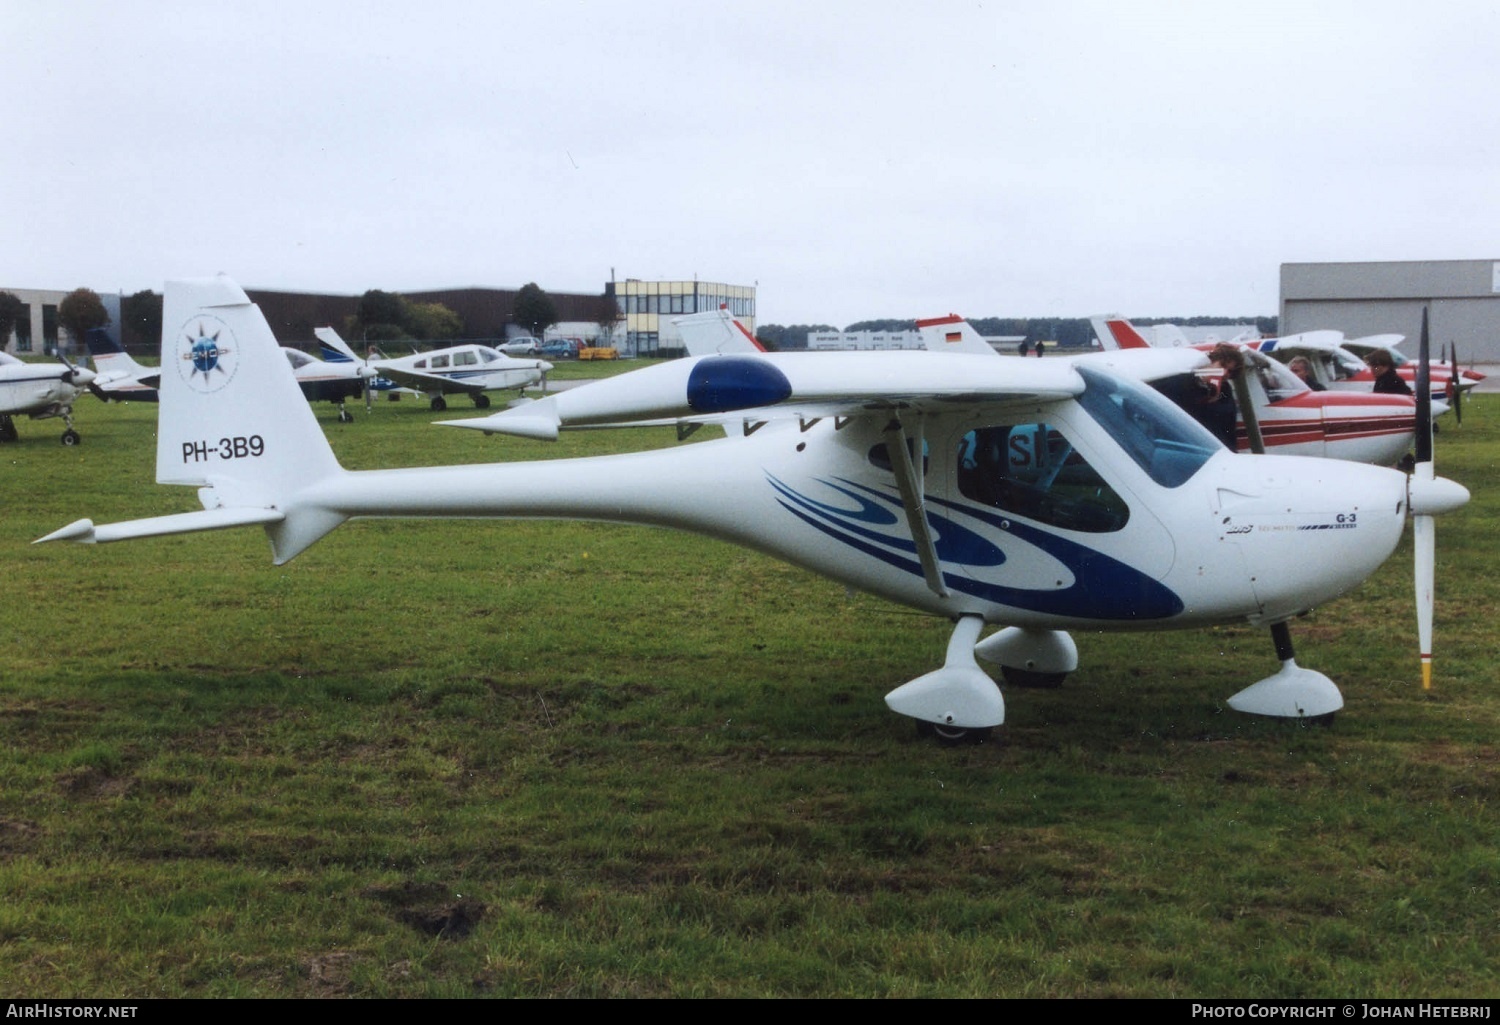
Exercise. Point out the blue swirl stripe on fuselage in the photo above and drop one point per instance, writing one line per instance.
(1103, 588)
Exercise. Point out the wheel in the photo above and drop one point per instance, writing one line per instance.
(345, 417)
(439, 404)
(953, 736)
(481, 401)
(1031, 678)
(70, 437)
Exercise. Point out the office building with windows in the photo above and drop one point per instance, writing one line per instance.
(648, 308)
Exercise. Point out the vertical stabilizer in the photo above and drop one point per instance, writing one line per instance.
(1118, 333)
(232, 416)
(715, 332)
(953, 334)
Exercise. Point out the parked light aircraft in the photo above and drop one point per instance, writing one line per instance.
(461, 369)
(891, 472)
(1339, 363)
(39, 390)
(120, 378)
(1295, 420)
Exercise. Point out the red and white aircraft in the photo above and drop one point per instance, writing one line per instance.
(1295, 420)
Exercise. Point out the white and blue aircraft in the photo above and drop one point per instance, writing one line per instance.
(1038, 495)
(39, 390)
(468, 369)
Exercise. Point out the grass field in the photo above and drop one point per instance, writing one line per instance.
(526, 759)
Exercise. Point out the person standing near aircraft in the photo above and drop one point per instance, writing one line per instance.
(1219, 412)
(1387, 381)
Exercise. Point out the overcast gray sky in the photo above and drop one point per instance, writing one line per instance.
(854, 159)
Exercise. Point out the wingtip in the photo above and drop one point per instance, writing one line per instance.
(81, 531)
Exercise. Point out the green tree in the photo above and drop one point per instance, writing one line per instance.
(11, 308)
(140, 315)
(431, 321)
(80, 310)
(377, 308)
(534, 309)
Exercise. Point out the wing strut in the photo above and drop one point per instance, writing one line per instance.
(909, 480)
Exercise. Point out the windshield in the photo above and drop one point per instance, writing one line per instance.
(1276, 378)
(1162, 440)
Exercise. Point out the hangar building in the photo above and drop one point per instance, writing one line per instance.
(1380, 298)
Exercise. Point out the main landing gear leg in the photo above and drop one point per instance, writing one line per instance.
(70, 437)
(958, 703)
(1293, 692)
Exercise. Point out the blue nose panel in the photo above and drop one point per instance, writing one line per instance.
(725, 383)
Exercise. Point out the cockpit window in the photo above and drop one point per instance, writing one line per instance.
(1032, 470)
(1276, 378)
(1162, 440)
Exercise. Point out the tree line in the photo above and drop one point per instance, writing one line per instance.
(380, 316)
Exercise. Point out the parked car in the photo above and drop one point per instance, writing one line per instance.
(521, 347)
(560, 350)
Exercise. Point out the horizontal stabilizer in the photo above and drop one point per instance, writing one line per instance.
(85, 532)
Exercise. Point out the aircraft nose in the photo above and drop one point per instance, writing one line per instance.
(1310, 529)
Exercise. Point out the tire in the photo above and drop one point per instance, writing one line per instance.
(439, 404)
(1031, 679)
(70, 438)
(481, 401)
(953, 736)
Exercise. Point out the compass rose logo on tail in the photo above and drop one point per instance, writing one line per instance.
(207, 356)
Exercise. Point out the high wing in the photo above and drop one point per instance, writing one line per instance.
(800, 386)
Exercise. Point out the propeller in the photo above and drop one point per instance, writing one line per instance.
(1455, 385)
(1427, 496)
(75, 375)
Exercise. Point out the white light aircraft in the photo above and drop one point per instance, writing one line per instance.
(39, 390)
(461, 369)
(1041, 495)
(120, 378)
(1294, 419)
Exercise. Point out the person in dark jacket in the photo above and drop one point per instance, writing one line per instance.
(1387, 381)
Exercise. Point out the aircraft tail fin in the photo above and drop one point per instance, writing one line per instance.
(335, 349)
(713, 332)
(953, 334)
(1118, 333)
(233, 423)
(109, 355)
